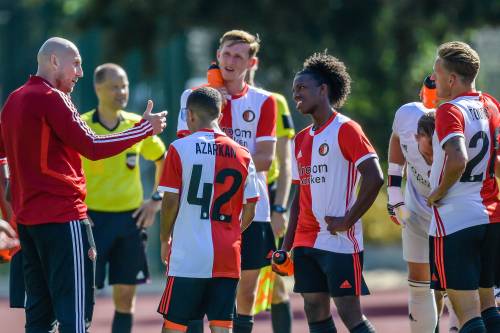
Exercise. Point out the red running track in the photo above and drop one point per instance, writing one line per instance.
(387, 310)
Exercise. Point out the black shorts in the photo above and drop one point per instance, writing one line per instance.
(319, 271)
(186, 299)
(464, 260)
(257, 246)
(58, 266)
(17, 292)
(122, 246)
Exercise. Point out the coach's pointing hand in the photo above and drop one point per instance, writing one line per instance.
(157, 120)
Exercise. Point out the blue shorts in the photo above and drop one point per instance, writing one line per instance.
(186, 299)
(122, 246)
(58, 266)
(466, 259)
(17, 292)
(319, 271)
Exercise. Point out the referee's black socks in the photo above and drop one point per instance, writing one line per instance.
(475, 325)
(324, 326)
(281, 317)
(242, 323)
(122, 322)
(491, 318)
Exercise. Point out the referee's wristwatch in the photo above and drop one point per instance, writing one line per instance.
(157, 196)
(278, 209)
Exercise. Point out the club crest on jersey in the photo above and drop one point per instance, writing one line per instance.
(323, 149)
(248, 116)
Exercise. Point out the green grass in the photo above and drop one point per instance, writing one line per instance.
(377, 227)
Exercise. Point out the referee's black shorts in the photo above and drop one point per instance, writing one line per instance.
(58, 265)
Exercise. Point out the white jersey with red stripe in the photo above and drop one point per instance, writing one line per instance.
(325, 165)
(417, 170)
(247, 118)
(214, 177)
(473, 199)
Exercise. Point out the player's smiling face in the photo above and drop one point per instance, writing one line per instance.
(306, 93)
(234, 61)
(69, 70)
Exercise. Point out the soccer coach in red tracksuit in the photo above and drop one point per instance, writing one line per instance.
(43, 137)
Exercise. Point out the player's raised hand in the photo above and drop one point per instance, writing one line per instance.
(157, 120)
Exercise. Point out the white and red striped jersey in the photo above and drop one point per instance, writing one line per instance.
(214, 177)
(417, 170)
(325, 165)
(247, 118)
(473, 200)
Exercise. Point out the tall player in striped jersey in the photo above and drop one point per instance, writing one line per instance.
(325, 228)
(249, 118)
(413, 150)
(210, 193)
(464, 198)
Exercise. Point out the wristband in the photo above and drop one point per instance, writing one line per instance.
(278, 209)
(157, 196)
(394, 175)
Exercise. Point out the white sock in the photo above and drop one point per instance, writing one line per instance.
(453, 323)
(422, 307)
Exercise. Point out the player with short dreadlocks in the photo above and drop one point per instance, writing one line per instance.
(325, 228)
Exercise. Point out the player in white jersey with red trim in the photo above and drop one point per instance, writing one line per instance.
(325, 228)
(412, 150)
(210, 190)
(466, 211)
(248, 117)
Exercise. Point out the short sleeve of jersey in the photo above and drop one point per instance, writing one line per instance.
(153, 148)
(295, 169)
(182, 129)
(171, 177)
(251, 192)
(354, 144)
(449, 123)
(266, 128)
(284, 122)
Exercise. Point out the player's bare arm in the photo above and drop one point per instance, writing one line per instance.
(264, 155)
(453, 168)
(247, 215)
(169, 209)
(395, 174)
(292, 221)
(146, 213)
(371, 182)
(283, 183)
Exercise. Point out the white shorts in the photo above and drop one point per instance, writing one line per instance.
(415, 236)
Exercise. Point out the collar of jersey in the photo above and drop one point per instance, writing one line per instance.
(469, 93)
(96, 119)
(36, 78)
(241, 93)
(325, 125)
(211, 130)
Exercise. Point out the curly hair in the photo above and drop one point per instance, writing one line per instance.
(329, 70)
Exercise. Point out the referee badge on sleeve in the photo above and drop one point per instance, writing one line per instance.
(131, 160)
